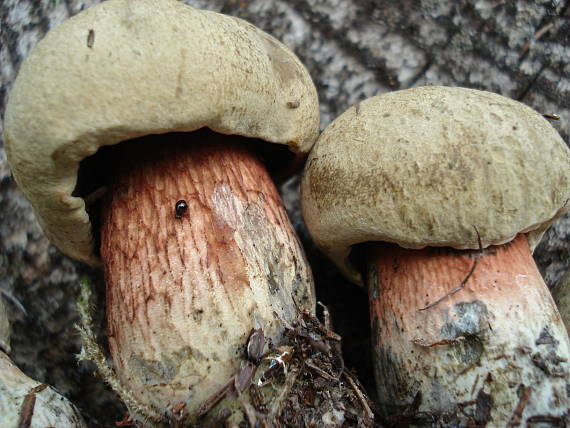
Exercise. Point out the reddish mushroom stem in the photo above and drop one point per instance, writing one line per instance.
(185, 287)
(496, 334)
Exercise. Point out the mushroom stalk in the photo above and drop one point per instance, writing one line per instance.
(185, 287)
(450, 337)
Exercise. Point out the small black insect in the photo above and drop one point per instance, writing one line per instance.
(180, 208)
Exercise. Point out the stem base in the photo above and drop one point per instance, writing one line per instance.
(495, 337)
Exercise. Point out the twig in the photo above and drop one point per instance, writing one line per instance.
(425, 344)
(367, 410)
(549, 419)
(27, 411)
(462, 284)
(215, 398)
(517, 414)
(536, 36)
(543, 31)
(27, 408)
(455, 290)
(38, 388)
(319, 371)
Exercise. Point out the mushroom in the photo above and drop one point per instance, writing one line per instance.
(195, 242)
(25, 402)
(434, 197)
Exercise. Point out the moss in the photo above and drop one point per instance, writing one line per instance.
(91, 351)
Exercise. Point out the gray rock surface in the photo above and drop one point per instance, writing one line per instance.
(354, 49)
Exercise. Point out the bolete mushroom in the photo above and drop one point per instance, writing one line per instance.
(196, 245)
(25, 402)
(434, 196)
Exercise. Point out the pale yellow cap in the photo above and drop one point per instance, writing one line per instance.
(128, 68)
(421, 167)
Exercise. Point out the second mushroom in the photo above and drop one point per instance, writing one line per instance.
(434, 197)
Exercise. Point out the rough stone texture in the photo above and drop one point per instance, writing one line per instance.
(353, 49)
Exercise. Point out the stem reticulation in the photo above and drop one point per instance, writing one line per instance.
(186, 287)
(473, 352)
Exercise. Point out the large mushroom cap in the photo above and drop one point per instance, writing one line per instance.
(422, 167)
(127, 68)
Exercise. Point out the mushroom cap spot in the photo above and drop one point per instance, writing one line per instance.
(128, 68)
(421, 167)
